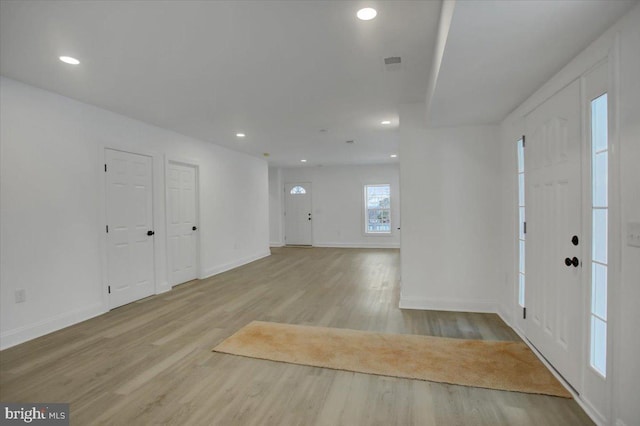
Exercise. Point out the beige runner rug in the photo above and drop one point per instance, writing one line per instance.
(509, 366)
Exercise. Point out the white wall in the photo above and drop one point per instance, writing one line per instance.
(451, 190)
(619, 404)
(51, 225)
(337, 200)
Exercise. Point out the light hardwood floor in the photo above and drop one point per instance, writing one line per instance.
(150, 362)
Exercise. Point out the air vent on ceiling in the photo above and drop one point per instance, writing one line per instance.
(393, 63)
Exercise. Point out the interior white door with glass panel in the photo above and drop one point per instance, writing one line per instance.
(182, 222)
(297, 214)
(130, 232)
(553, 293)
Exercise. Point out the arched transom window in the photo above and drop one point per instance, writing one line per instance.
(298, 190)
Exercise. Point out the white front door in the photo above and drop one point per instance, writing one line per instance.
(554, 297)
(130, 227)
(297, 214)
(182, 229)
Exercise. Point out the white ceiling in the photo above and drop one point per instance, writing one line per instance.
(280, 71)
(499, 52)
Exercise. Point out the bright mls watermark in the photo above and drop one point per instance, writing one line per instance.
(42, 414)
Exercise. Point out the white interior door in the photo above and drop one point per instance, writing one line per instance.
(130, 227)
(554, 297)
(297, 213)
(182, 232)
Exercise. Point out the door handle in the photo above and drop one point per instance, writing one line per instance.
(575, 262)
(150, 233)
(195, 228)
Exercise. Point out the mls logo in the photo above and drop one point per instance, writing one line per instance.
(34, 413)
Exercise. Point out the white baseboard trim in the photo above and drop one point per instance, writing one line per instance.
(276, 244)
(504, 315)
(458, 305)
(164, 287)
(232, 265)
(49, 325)
(358, 245)
(584, 404)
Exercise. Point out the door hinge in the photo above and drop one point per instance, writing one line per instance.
(105, 167)
(524, 313)
(109, 289)
(525, 227)
(107, 229)
(524, 144)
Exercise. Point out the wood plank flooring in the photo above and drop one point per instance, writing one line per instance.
(150, 362)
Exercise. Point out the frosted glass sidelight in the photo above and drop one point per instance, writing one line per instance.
(599, 345)
(600, 203)
(521, 189)
(599, 127)
(599, 235)
(521, 222)
(599, 291)
(520, 157)
(600, 181)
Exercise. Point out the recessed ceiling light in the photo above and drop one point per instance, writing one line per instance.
(69, 60)
(385, 122)
(240, 135)
(394, 155)
(303, 161)
(366, 14)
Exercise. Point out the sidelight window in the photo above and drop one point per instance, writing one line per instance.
(521, 222)
(599, 216)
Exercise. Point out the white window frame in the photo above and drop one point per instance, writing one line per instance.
(522, 229)
(593, 315)
(365, 215)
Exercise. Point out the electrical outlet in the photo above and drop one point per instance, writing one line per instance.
(633, 234)
(21, 295)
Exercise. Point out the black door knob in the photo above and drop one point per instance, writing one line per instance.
(309, 218)
(195, 228)
(575, 240)
(150, 233)
(575, 262)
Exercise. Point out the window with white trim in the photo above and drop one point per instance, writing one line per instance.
(377, 209)
(297, 190)
(521, 222)
(599, 213)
